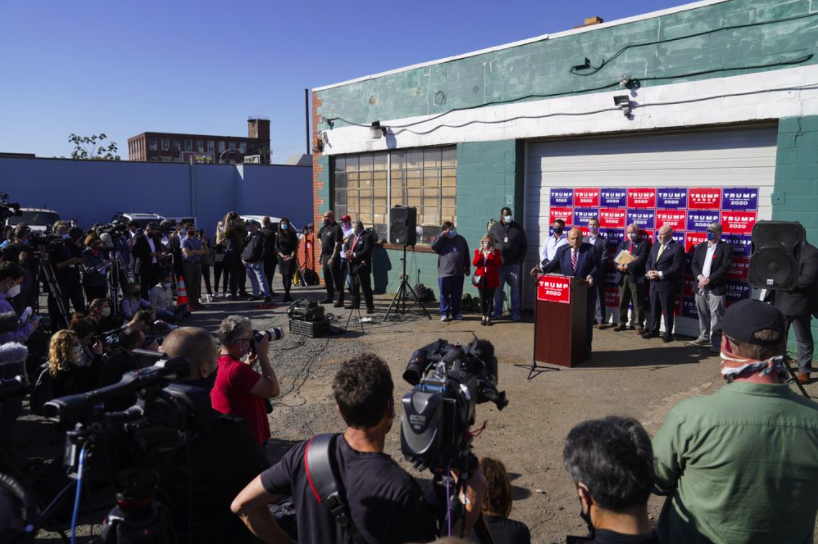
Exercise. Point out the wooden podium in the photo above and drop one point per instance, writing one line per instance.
(559, 323)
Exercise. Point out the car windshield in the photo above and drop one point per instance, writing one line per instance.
(35, 218)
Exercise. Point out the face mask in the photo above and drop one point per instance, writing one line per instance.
(77, 350)
(485, 244)
(593, 230)
(166, 285)
(14, 291)
(65, 237)
(507, 219)
(106, 312)
(558, 231)
(633, 237)
(711, 236)
(284, 226)
(586, 517)
(452, 233)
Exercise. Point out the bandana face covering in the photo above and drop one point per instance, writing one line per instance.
(734, 366)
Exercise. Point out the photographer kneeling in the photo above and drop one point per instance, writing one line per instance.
(199, 482)
(384, 502)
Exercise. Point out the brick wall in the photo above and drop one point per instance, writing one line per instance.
(796, 178)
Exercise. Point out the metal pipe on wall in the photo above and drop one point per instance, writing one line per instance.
(307, 117)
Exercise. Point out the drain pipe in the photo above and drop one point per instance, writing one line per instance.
(193, 193)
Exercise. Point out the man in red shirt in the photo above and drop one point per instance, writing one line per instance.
(239, 390)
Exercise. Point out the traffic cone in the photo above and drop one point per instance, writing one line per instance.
(181, 292)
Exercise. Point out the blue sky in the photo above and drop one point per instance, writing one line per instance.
(128, 66)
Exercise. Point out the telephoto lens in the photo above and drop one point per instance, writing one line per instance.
(276, 333)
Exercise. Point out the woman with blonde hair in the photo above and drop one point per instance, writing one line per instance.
(497, 504)
(487, 259)
(68, 377)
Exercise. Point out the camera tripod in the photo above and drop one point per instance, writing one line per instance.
(54, 288)
(399, 302)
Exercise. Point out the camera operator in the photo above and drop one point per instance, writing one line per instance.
(200, 481)
(611, 463)
(65, 258)
(11, 276)
(239, 390)
(94, 268)
(21, 252)
(384, 502)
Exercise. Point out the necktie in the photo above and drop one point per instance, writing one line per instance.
(574, 259)
(661, 250)
(630, 249)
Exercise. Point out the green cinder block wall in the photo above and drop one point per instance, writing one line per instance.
(795, 197)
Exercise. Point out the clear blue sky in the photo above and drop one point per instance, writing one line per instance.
(128, 66)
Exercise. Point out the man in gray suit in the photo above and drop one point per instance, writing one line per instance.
(600, 244)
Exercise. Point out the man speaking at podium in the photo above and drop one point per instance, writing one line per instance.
(578, 260)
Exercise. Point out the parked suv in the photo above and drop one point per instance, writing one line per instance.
(39, 220)
(142, 218)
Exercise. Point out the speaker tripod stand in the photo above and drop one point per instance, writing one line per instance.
(399, 302)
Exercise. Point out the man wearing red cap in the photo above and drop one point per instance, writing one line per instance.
(741, 465)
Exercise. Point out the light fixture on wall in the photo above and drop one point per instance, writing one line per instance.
(623, 102)
(376, 130)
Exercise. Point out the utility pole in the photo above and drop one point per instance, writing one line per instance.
(307, 117)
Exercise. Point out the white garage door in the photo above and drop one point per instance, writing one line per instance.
(714, 158)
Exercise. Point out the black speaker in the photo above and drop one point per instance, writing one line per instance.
(403, 221)
(774, 261)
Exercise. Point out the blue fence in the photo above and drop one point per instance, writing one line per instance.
(93, 191)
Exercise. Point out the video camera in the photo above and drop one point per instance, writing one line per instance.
(449, 381)
(8, 209)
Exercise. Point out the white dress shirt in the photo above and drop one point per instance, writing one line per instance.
(550, 247)
(708, 260)
(153, 247)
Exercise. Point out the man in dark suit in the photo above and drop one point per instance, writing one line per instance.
(147, 250)
(579, 260)
(600, 244)
(630, 278)
(665, 267)
(711, 263)
(359, 258)
(799, 304)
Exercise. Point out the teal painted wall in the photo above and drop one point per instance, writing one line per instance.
(796, 179)
(324, 193)
(541, 69)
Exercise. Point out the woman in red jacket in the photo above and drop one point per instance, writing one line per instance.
(486, 261)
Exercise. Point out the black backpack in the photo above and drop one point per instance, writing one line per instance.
(310, 276)
(424, 293)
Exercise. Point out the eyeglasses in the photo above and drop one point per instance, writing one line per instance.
(243, 340)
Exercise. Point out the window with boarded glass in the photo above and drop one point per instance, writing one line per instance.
(368, 185)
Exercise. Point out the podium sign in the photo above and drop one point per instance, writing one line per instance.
(554, 289)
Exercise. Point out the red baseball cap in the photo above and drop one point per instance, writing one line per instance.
(346, 218)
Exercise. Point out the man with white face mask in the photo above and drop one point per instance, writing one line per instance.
(11, 277)
(510, 239)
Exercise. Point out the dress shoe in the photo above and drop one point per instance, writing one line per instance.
(640, 330)
(268, 299)
(338, 304)
(667, 338)
(620, 328)
(650, 334)
(327, 300)
(287, 298)
(601, 326)
(370, 310)
(803, 378)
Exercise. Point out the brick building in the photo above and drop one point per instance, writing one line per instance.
(707, 111)
(203, 148)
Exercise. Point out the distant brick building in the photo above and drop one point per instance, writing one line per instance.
(171, 147)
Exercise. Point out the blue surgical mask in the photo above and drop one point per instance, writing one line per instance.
(507, 219)
(284, 226)
(711, 236)
(452, 233)
(593, 229)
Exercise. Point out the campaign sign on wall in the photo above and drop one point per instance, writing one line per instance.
(554, 289)
(613, 198)
(688, 210)
(562, 197)
(671, 198)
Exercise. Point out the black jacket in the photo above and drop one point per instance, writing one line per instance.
(269, 254)
(587, 262)
(514, 251)
(361, 262)
(601, 247)
(253, 248)
(719, 268)
(801, 300)
(636, 268)
(671, 265)
(142, 252)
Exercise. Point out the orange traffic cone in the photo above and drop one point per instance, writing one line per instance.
(181, 292)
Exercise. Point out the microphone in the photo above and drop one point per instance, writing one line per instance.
(13, 366)
(13, 353)
(9, 322)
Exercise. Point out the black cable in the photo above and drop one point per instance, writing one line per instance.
(594, 69)
(799, 60)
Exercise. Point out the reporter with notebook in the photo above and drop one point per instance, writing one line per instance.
(630, 260)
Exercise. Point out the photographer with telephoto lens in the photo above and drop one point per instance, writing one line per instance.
(239, 390)
(385, 504)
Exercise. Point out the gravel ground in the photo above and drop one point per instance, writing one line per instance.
(628, 376)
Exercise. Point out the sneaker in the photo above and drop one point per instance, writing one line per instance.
(444, 318)
(701, 342)
(459, 317)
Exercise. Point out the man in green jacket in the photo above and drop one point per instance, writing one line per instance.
(741, 465)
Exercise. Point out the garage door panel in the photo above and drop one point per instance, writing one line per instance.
(718, 158)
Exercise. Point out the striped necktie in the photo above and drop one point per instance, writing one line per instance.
(574, 259)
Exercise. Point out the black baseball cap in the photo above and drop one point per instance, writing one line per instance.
(743, 319)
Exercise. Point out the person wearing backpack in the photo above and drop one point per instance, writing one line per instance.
(384, 503)
(253, 258)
